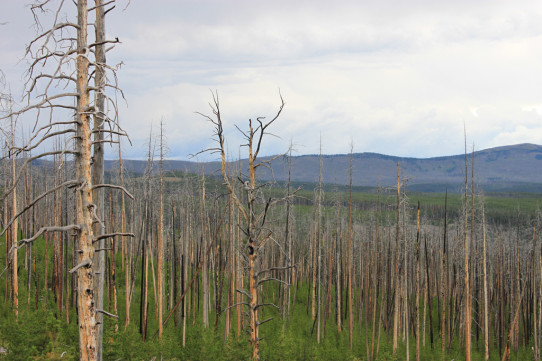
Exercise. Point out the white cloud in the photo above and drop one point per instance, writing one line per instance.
(398, 77)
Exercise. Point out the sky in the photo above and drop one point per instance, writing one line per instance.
(394, 76)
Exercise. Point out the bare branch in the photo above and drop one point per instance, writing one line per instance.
(215, 107)
(114, 187)
(23, 168)
(29, 147)
(43, 230)
(267, 304)
(244, 293)
(116, 41)
(110, 235)
(106, 313)
(264, 126)
(275, 269)
(233, 306)
(86, 263)
(271, 279)
(39, 104)
(266, 320)
(35, 200)
(101, 5)
(268, 161)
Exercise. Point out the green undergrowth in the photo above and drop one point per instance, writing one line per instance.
(43, 334)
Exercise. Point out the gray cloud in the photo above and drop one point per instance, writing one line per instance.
(398, 77)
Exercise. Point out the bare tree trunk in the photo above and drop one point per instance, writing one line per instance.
(161, 236)
(254, 220)
(319, 247)
(87, 303)
(406, 311)
(14, 229)
(186, 258)
(205, 274)
(376, 269)
(113, 260)
(30, 229)
(417, 275)
(513, 325)
(396, 273)
(467, 279)
(6, 217)
(339, 288)
(350, 256)
(98, 171)
(125, 245)
(486, 304)
(231, 251)
(289, 239)
(535, 298)
(443, 279)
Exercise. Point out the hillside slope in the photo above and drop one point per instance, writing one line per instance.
(508, 168)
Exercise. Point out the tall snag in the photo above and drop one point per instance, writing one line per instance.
(350, 256)
(63, 62)
(254, 212)
(466, 248)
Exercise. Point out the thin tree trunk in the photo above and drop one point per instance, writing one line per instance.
(125, 245)
(161, 237)
(417, 275)
(319, 247)
(350, 256)
(467, 278)
(288, 238)
(506, 354)
(428, 295)
(14, 229)
(376, 269)
(396, 273)
(98, 170)
(486, 303)
(205, 275)
(444, 278)
(535, 320)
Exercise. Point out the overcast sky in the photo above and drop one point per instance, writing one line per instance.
(397, 77)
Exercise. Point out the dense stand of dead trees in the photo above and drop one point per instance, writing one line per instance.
(395, 260)
(407, 280)
(218, 248)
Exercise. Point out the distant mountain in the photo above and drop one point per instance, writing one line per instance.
(515, 168)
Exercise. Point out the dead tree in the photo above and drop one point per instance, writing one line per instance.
(350, 257)
(161, 236)
(254, 213)
(467, 307)
(63, 62)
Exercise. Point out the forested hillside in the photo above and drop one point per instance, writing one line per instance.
(514, 168)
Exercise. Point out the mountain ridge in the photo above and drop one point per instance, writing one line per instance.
(504, 168)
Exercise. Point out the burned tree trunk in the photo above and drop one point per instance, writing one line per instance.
(98, 171)
(254, 216)
(86, 304)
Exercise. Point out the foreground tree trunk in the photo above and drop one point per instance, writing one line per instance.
(466, 247)
(85, 273)
(350, 256)
(62, 45)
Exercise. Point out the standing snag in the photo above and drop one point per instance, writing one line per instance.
(63, 63)
(254, 210)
